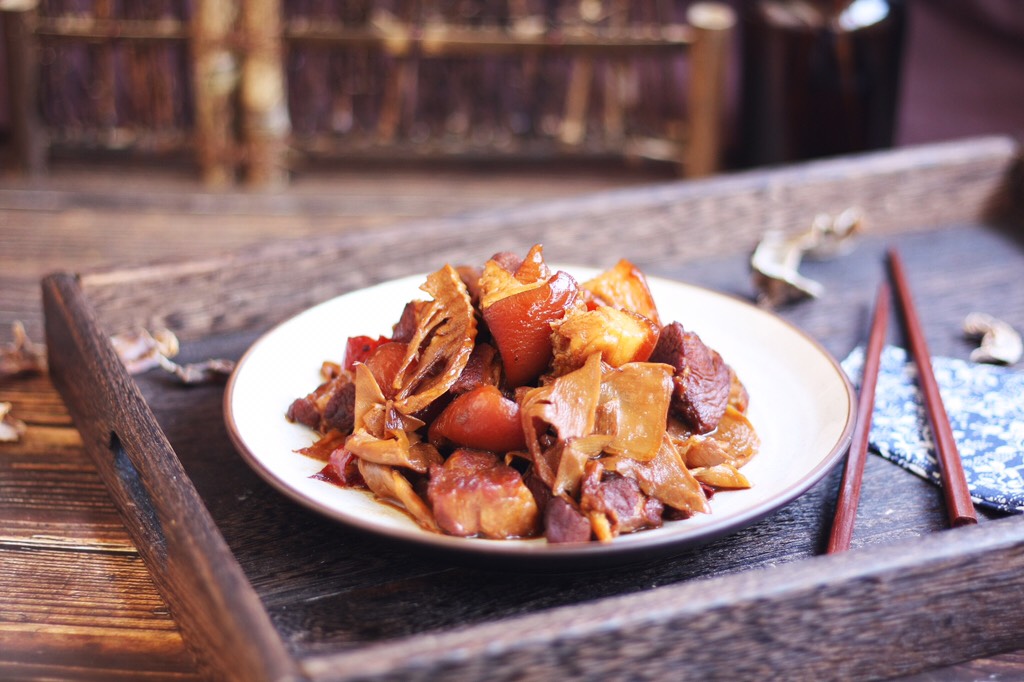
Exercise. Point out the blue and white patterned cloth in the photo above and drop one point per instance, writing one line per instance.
(985, 405)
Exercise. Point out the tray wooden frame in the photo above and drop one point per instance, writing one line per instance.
(948, 594)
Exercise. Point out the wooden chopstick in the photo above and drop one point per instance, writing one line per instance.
(959, 506)
(849, 493)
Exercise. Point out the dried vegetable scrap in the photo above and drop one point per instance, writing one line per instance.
(22, 356)
(11, 428)
(141, 351)
(517, 402)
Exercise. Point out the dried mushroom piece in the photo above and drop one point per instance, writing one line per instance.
(140, 351)
(1000, 342)
(21, 356)
(214, 369)
(383, 434)
(776, 260)
(833, 237)
(11, 429)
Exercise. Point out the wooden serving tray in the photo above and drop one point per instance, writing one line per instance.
(264, 589)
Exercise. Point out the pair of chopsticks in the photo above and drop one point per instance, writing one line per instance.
(957, 496)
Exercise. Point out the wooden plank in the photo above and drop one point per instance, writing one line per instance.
(212, 601)
(689, 220)
(438, 587)
(463, 41)
(89, 218)
(827, 617)
(69, 574)
(582, 635)
(105, 28)
(351, 592)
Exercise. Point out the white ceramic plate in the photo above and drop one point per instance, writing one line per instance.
(801, 404)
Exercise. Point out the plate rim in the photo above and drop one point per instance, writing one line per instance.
(533, 551)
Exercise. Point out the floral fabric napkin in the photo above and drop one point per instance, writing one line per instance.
(985, 405)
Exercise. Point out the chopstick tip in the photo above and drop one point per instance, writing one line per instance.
(964, 520)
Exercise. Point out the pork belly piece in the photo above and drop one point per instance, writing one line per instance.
(474, 494)
(702, 381)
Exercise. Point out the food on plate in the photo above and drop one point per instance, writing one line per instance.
(516, 402)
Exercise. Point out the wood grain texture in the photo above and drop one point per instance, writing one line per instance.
(21, 57)
(166, 520)
(56, 516)
(688, 221)
(762, 618)
(714, 26)
(82, 222)
(350, 606)
(215, 75)
(76, 599)
(320, 582)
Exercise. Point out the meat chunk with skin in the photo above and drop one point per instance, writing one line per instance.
(701, 381)
(508, 260)
(474, 494)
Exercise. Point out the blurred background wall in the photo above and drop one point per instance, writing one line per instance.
(961, 73)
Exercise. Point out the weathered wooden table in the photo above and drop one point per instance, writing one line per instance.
(262, 588)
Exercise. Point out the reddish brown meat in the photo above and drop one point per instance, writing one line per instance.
(473, 493)
(619, 499)
(339, 412)
(483, 368)
(564, 523)
(330, 407)
(405, 328)
(342, 470)
(303, 410)
(508, 260)
(701, 380)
